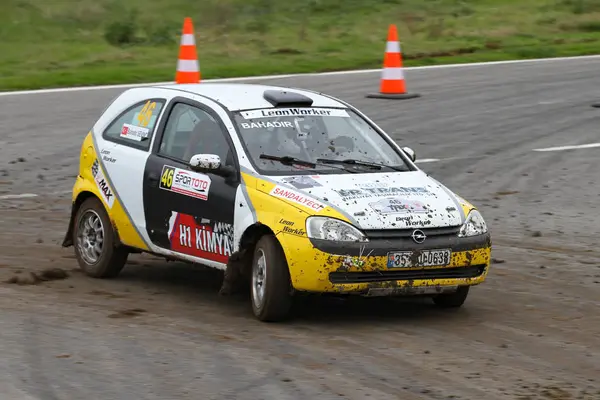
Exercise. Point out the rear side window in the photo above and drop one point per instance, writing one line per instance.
(135, 126)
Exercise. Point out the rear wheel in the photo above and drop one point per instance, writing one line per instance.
(94, 241)
(271, 289)
(452, 300)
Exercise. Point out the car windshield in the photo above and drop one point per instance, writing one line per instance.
(314, 135)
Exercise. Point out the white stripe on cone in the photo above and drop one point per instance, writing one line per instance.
(392, 73)
(188, 66)
(187, 40)
(392, 47)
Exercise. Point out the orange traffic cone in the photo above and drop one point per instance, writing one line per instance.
(392, 76)
(188, 67)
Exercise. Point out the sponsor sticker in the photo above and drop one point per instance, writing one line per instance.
(185, 182)
(288, 227)
(134, 132)
(106, 157)
(209, 239)
(301, 181)
(268, 124)
(382, 191)
(398, 206)
(297, 198)
(102, 184)
(295, 112)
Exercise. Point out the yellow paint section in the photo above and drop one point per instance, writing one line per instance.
(270, 209)
(310, 268)
(466, 206)
(85, 183)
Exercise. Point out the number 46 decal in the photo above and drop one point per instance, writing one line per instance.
(146, 113)
(166, 177)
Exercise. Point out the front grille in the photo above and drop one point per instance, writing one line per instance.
(406, 233)
(472, 271)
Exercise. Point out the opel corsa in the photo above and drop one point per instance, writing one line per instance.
(303, 190)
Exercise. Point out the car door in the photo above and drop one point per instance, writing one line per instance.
(189, 212)
(123, 148)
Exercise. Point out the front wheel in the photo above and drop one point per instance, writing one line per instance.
(452, 300)
(271, 289)
(94, 241)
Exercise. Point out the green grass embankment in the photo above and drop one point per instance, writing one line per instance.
(55, 43)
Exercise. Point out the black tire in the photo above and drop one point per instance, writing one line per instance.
(112, 259)
(276, 301)
(452, 300)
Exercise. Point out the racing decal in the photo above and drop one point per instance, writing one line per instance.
(289, 227)
(106, 157)
(133, 132)
(209, 239)
(398, 206)
(262, 125)
(301, 181)
(102, 184)
(381, 191)
(295, 197)
(145, 115)
(185, 182)
(295, 112)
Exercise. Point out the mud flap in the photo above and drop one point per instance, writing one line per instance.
(236, 273)
(68, 240)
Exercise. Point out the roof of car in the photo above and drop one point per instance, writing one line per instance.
(243, 96)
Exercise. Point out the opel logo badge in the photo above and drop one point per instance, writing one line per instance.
(418, 236)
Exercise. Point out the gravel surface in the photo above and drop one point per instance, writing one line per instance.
(160, 330)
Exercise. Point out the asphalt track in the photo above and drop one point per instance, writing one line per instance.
(160, 331)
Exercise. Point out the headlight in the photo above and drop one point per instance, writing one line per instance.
(473, 226)
(333, 229)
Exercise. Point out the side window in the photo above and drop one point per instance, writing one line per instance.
(191, 131)
(135, 126)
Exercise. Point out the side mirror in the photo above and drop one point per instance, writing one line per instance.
(410, 153)
(211, 163)
(205, 162)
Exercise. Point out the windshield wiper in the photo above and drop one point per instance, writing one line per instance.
(291, 161)
(287, 160)
(352, 161)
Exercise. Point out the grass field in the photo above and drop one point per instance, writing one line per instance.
(54, 43)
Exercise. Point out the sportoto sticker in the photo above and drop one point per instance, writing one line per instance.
(298, 198)
(185, 182)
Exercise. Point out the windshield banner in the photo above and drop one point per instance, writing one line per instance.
(295, 112)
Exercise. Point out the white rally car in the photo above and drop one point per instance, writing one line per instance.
(300, 191)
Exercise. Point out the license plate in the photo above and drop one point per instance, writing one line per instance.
(424, 258)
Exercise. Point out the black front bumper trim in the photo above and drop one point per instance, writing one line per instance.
(381, 247)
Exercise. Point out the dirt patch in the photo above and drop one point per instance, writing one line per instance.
(35, 278)
(130, 313)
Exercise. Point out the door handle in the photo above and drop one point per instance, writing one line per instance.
(152, 177)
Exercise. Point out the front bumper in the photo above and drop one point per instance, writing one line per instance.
(361, 268)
